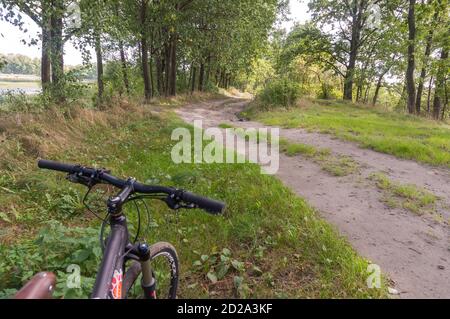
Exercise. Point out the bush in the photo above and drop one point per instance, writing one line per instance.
(280, 92)
(55, 248)
(326, 92)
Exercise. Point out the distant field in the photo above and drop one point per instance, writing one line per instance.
(18, 78)
(19, 85)
(30, 84)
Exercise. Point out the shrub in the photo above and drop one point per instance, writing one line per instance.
(280, 92)
(55, 248)
(326, 92)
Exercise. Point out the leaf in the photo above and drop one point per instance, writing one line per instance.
(239, 266)
(226, 252)
(81, 255)
(212, 276)
(238, 280)
(222, 272)
(257, 271)
(4, 217)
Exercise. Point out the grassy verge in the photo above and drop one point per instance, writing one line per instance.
(269, 243)
(335, 165)
(410, 197)
(401, 135)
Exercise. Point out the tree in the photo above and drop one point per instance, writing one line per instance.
(39, 12)
(352, 23)
(50, 16)
(435, 5)
(410, 82)
(19, 64)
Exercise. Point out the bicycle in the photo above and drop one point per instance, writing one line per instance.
(116, 280)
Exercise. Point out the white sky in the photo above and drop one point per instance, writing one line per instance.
(11, 36)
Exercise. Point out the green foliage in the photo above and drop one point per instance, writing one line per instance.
(326, 92)
(55, 248)
(261, 72)
(19, 64)
(3, 62)
(279, 92)
(218, 265)
(13, 101)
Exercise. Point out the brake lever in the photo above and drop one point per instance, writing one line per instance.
(90, 181)
(79, 179)
(175, 203)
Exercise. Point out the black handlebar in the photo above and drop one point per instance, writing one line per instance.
(56, 166)
(209, 205)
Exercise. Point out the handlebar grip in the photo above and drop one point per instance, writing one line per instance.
(56, 166)
(209, 205)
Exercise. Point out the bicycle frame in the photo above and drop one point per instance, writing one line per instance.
(108, 283)
(119, 249)
(111, 275)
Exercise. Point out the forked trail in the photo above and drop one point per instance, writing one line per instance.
(413, 250)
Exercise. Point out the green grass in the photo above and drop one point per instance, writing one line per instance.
(225, 125)
(408, 196)
(275, 243)
(404, 136)
(337, 165)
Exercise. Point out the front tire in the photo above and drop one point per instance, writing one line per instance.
(165, 268)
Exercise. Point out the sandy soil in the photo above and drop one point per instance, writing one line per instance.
(413, 250)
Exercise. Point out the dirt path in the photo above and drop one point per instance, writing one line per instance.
(413, 250)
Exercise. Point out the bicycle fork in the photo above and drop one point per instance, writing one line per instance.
(148, 282)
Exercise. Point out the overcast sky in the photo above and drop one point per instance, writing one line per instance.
(10, 36)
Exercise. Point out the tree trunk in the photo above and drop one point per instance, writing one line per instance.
(139, 50)
(377, 90)
(144, 52)
(359, 91)
(208, 71)
(194, 78)
(223, 79)
(357, 16)
(190, 77)
(439, 93)
(366, 94)
(217, 77)
(201, 77)
(167, 51)
(173, 65)
(410, 83)
(123, 60)
(401, 101)
(152, 78)
(444, 108)
(429, 95)
(46, 51)
(423, 72)
(57, 47)
(159, 74)
(145, 69)
(98, 53)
